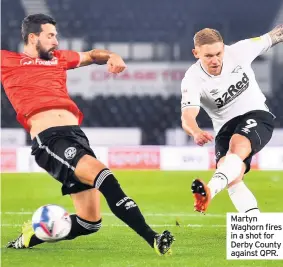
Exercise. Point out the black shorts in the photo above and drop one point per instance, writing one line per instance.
(58, 150)
(256, 125)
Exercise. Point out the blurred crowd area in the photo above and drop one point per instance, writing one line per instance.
(151, 32)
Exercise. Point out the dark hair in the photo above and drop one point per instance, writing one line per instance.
(32, 24)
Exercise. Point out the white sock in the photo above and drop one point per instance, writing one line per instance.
(242, 198)
(227, 172)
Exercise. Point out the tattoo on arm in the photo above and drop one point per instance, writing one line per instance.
(276, 35)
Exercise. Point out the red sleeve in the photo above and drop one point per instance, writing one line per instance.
(72, 58)
(3, 65)
(3, 54)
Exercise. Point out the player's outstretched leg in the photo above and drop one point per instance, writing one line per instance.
(229, 169)
(86, 221)
(203, 193)
(120, 204)
(27, 238)
(127, 210)
(92, 172)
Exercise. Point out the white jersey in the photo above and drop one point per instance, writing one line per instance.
(235, 91)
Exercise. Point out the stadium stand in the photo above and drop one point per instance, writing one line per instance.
(142, 21)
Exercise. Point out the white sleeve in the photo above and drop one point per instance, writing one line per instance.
(190, 93)
(247, 50)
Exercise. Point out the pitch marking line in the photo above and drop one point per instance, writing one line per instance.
(145, 214)
(152, 225)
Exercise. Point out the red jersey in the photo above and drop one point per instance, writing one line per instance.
(34, 85)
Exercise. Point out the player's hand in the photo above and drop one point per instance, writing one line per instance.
(201, 137)
(116, 64)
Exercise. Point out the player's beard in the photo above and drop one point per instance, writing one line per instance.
(43, 53)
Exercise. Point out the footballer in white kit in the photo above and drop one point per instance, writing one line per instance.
(223, 83)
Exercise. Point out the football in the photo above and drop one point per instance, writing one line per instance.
(51, 223)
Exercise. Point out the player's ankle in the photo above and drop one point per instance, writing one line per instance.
(34, 241)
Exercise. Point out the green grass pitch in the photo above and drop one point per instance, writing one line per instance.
(162, 196)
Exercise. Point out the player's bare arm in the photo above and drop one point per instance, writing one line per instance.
(276, 35)
(99, 56)
(189, 122)
(191, 127)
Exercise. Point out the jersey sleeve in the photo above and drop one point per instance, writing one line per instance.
(190, 93)
(247, 50)
(3, 63)
(72, 58)
(3, 57)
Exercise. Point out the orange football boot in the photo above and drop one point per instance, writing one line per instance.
(201, 194)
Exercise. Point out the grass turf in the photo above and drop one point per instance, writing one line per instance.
(163, 197)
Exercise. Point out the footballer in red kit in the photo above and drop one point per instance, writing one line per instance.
(22, 77)
(35, 83)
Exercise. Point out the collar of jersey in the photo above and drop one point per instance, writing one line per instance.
(28, 55)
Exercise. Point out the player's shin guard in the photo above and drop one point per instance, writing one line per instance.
(82, 227)
(242, 198)
(123, 206)
(228, 171)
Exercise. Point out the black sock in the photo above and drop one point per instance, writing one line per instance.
(82, 227)
(35, 241)
(79, 227)
(122, 206)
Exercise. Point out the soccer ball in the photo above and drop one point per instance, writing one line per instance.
(51, 223)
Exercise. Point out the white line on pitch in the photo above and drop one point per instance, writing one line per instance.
(145, 214)
(152, 225)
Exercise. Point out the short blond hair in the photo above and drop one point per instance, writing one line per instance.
(207, 36)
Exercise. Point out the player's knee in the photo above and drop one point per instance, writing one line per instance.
(240, 150)
(87, 169)
(241, 146)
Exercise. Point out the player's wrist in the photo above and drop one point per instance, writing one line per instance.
(188, 128)
(196, 131)
(113, 55)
